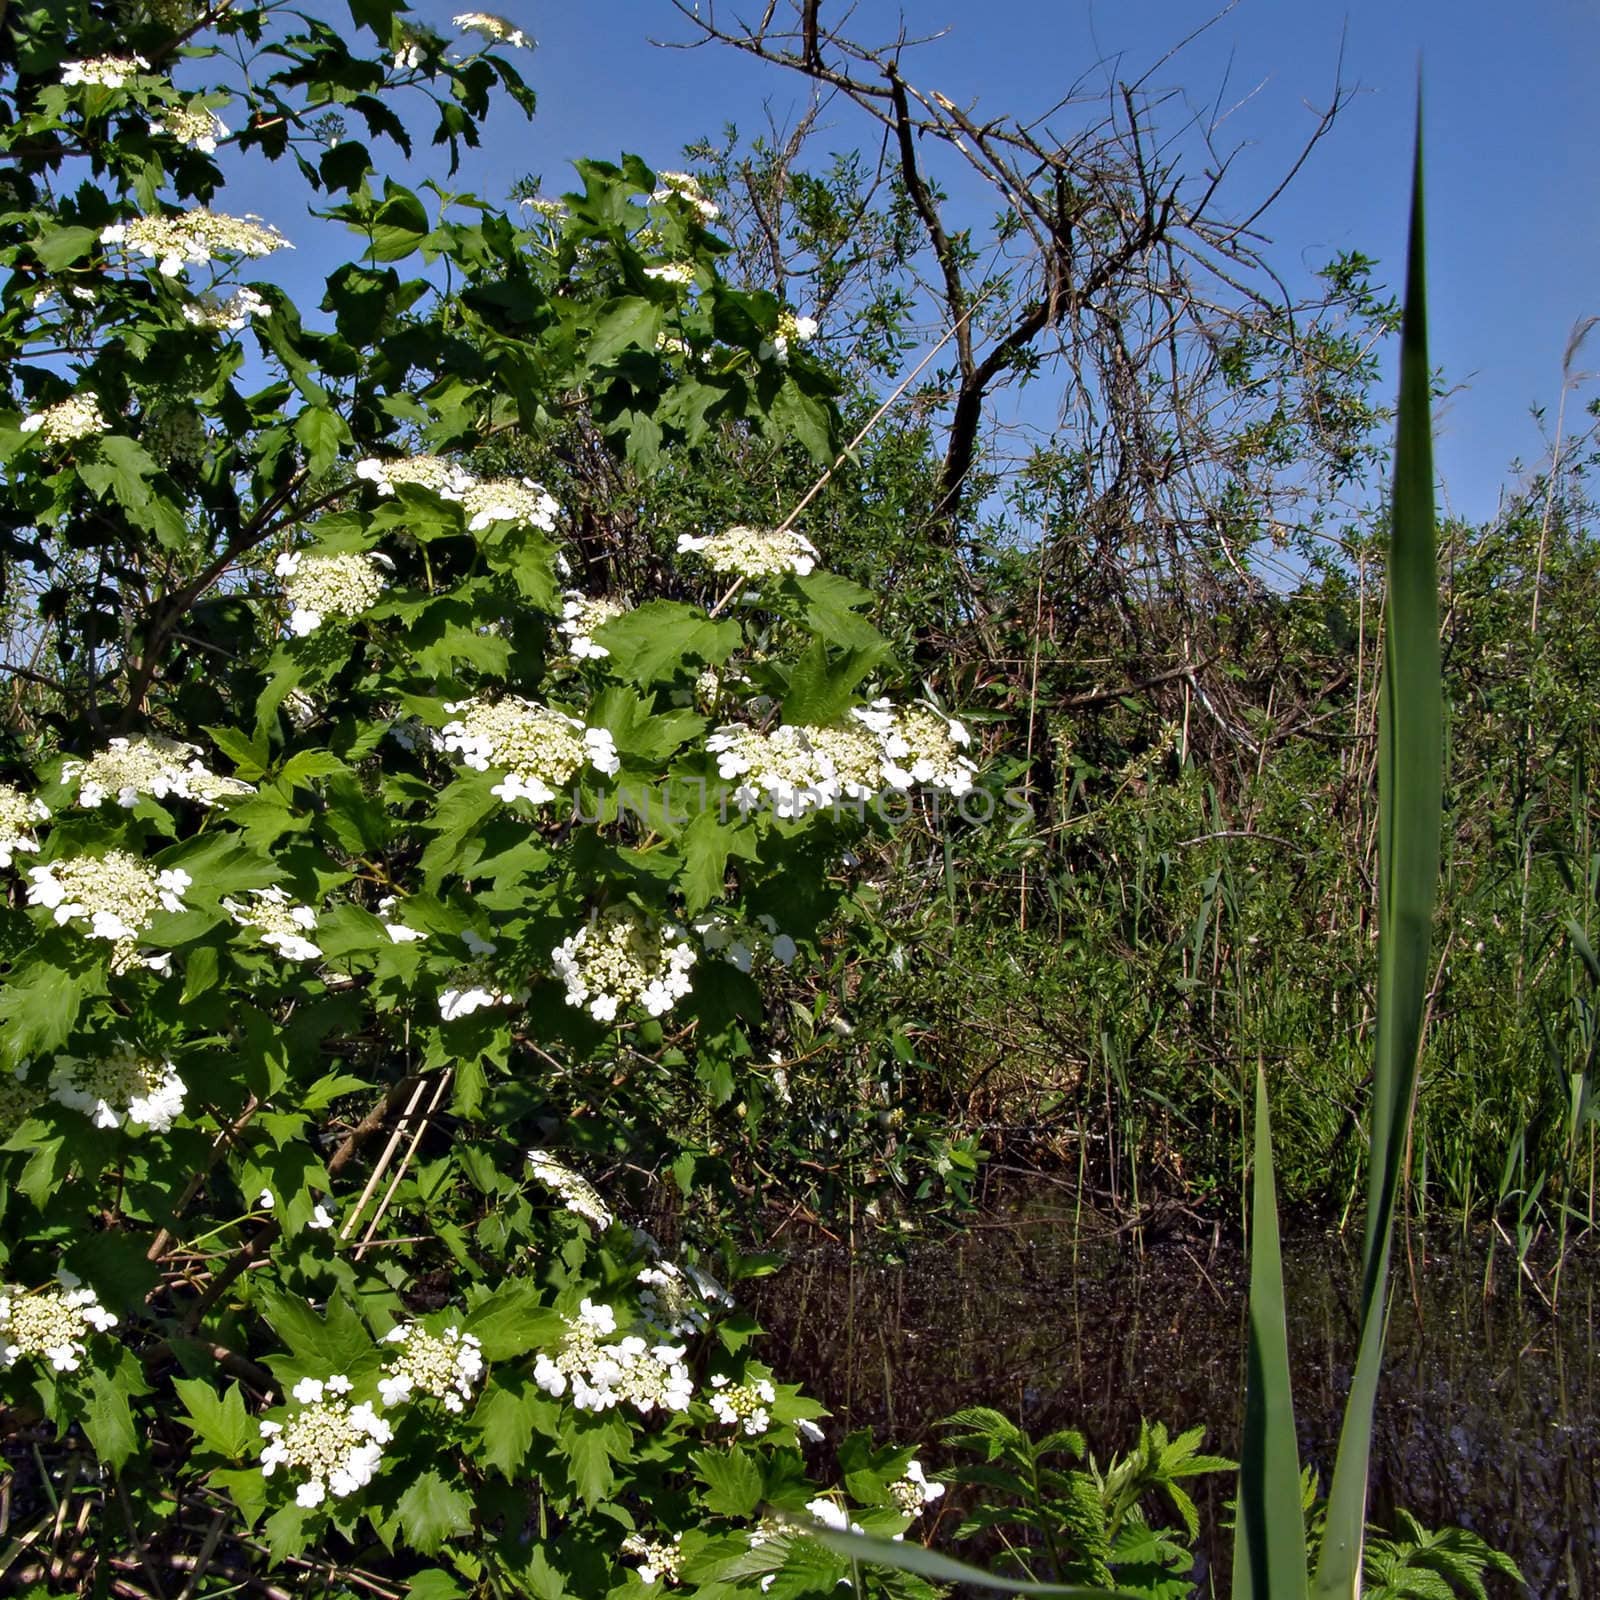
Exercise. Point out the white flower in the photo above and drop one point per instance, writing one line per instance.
(20, 815)
(446, 1366)
(834, 1516)
(509, 500)
(539, 749)
(680, 273)
(117, 894)
(577, 1194)
(684, 186)
(444, 478)
(338, 1446)
(920, 745)
(602, 1373)
(497, 30)
(67, 421)
(147, 765)
(753, 552)
(581, 617)
(809, 1431)
(743, 944)
(619, 959)
(791, 330)
(322, 586)
(194, 238)
(121, 1087)
(321, 1217)
(398, 932)
(195, 126)
(230, 315)
(283, 925)
(53, 1323)
(103, 72)
(913, 1493)
(746, 1406)
(264, 1200)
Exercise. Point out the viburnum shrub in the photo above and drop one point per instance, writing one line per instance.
(374, 870)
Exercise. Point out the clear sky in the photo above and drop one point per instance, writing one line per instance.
(1514, 190)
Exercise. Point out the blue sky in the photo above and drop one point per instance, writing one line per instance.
(1514, 223)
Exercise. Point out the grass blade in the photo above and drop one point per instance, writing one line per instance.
(1410, 785)
(1269, 1541)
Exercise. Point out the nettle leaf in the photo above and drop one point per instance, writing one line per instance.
(219, 1422)
(653, 641)
(431, 1511)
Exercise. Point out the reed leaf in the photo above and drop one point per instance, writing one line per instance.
(1269, 1543)
(905, 1556)
(1410, 785)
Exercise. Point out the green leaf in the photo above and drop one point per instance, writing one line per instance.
(1269, 1545)
(511, 1321)
(654, 640)
(629, 323)
(124, 470)
(107, 1419)
(588, 1444)
(432, 1511)
(60, 247)
(220, 1422)
(1410, 813)
(823, 685)
(505, 1418)
(321, 431)
(40, 1002)
(732, 1479)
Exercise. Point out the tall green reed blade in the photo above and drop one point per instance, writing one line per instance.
(1410, 785)
(1269, 1541)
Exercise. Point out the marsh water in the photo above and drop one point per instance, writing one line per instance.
(1487, 1416)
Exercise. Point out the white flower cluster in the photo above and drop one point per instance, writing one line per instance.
(680, 273)
(519, 500)
(474, 987)
(798, 769)
(677, 1302)
(581, 616)
(67, 421)
(336, 1445)
(742, 944)
(745, 1406)
(147, 764)
(197, 127)
(578, 1195)
(832, 1515)
(484, 500)
(195, 238)
(913, 1494)
(550, 210)
(920, 746)
(444, 477)
(19, 815)
(686, 187)
(497, 30)
(753, 552)
(116, 894)
(619, 958)
(445, 1365)
(103, 72)
(412, 50)
(53, 1323)
(121, 1087)
(283, 925)
(659, 1559)
(231, 315)
(602, 1375)
(340, 585)
(539, 749)
(791, 330)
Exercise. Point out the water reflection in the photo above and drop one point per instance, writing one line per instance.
(1487, 1416)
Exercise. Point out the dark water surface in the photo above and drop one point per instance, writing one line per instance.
(1489, 1414)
